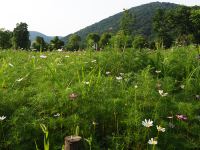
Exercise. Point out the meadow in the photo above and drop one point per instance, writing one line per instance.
(104, 97)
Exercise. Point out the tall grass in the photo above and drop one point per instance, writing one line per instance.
(115, 91)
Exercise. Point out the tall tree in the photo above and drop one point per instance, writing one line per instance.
(21, 36)
(56, 43)
(179, 19)
(74, 42)
(104, 40)
(39, 44)
(92, 40)
(161, 26)
(195, 19)
(127, 22)
(5, 39)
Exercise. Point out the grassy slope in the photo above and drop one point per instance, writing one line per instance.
(34, 89)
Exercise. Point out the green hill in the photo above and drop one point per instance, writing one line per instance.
(34, 34)
(143, 13)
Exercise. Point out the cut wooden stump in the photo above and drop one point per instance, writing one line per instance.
(73, 143)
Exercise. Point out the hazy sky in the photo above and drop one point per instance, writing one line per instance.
(62, 17)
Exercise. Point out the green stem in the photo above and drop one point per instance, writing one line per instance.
(153, 147)
(145, 134)
(3, 132)
(157, 134)
(135, 107)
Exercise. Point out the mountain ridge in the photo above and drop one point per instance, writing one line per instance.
(34, 34)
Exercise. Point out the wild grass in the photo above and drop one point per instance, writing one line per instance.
(115, 91)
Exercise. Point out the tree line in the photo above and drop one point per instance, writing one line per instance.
(177, 26)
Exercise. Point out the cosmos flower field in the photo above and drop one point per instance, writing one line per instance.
(136, 99)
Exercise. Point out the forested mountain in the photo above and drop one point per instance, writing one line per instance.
(143, 14)
(34, 34)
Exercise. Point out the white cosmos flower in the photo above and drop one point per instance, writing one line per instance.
(197, 97)
(158, 71)
(2, 118)
(182, 86)
(170, 117)
(43, 56)
(147, 123)
(11, 65)
(93, 61)
(94, 123)
(57, 115)
(19, 80)
(136, 86)
(59, 50)
(162, 93)
(152, 141)
(159, 128)
(86, 82)
(119, 78)
(107, 72)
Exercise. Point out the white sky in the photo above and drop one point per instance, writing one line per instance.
(62, 17)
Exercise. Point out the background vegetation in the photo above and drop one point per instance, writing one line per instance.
(107, 85)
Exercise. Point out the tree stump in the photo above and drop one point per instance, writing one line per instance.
(73, 143)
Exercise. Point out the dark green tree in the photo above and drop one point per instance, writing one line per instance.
(21, 36)
(179, 21)
(74, 42)
(195, 19)
(92, 40)
(104, 40)
(5, 39)
(56, 43)
(39, 44)
(160, 24)
(139, 42)
(127, 22)
(162, 28)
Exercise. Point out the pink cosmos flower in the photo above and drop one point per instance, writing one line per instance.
(73, 96)
(181, 117)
